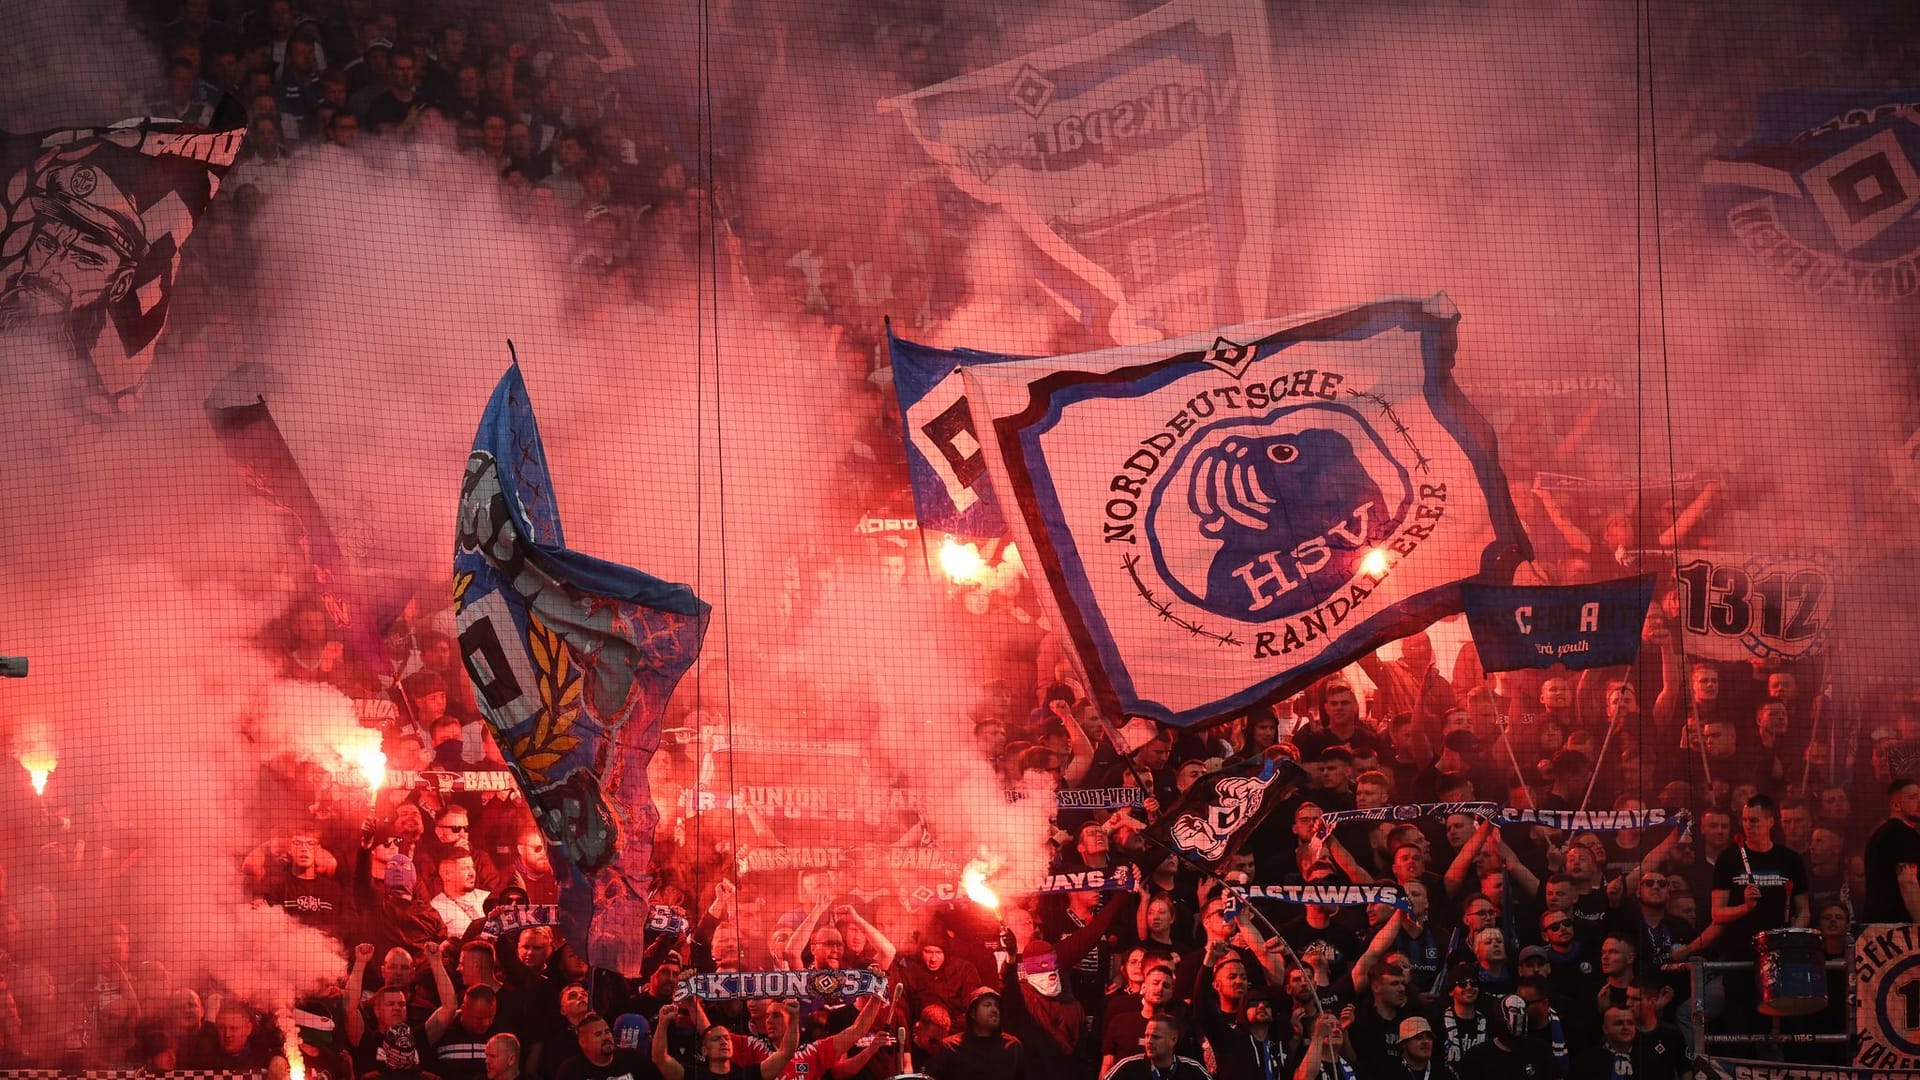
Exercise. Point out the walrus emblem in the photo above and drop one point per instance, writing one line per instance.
(1284, 512)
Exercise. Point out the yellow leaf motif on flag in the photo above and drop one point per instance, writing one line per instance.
(461, 581)
(558, 680)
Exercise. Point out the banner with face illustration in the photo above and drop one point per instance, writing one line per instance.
(1223, 517)
(92, 221)
(572, 660)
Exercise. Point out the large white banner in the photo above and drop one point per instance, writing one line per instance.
(1139, 159)
(1223, 517)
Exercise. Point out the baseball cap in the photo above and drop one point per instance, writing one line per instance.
(1464, 971)
(1534, 952)
(1414, 1025)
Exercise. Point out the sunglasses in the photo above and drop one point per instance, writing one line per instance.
(455, 828)
(1564, 924)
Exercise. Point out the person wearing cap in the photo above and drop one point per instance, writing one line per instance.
(1544, 1025)
(1039, 1012)
(1417, 1059)
(1463, 1023)
(981, 1051)
(1157, 1059)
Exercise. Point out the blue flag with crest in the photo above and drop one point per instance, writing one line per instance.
(572, 660)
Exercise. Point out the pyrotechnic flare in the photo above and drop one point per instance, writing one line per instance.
(961, 562)
(973, 882)
(39, 765)
(371, 762)
(1374, 563)
(290, 1045)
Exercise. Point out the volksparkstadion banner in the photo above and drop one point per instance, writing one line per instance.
(1223, 517)
(1136, 159)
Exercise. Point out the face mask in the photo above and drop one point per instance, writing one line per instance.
(1513, 1009)
(1047, 984)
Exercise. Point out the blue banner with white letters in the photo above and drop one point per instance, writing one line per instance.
(1576, 626)
(572, 660)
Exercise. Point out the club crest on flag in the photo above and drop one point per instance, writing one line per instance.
(1263, 517)
(1213, 540)
(1825, 193)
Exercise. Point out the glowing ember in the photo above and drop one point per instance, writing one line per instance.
(39, 765)
(961, 562)
(1374, 564)
(973, 882)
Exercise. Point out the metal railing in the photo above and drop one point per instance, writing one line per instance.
(1698, 1038)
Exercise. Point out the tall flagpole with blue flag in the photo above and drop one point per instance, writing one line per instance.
(573, 660)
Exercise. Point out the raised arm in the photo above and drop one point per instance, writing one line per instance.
(803, 935)
(777, 1062)
(883, 948)
(437, 1022)
(1081, 761)
(1462, 866)
(356, 980)
(663, 1061)
(870, 1007)
(1376, 953)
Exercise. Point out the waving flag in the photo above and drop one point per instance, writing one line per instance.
(1538, 626)
(572, 660)
(944, 458)
(1224, 517)
(1137, 160)
(1824, 193)
(1208, 823)
(362, 604)
(91, 225)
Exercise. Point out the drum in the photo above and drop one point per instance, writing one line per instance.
(1791, 971)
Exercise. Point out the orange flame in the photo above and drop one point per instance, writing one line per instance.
(973, 882)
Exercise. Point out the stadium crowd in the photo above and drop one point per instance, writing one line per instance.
(1523, 952)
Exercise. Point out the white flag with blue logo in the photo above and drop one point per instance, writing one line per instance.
(1222, 518)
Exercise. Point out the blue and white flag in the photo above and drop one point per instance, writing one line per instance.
(944, 459)
(572, 660)
(1139, 161)
(1824, 193)
(1538, 626)
(1222, 518)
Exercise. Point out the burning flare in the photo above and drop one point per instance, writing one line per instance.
(39, 765)
(961, 562)
(367, 760)
(973, 882)
(1374, 563)
(296, 1061)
